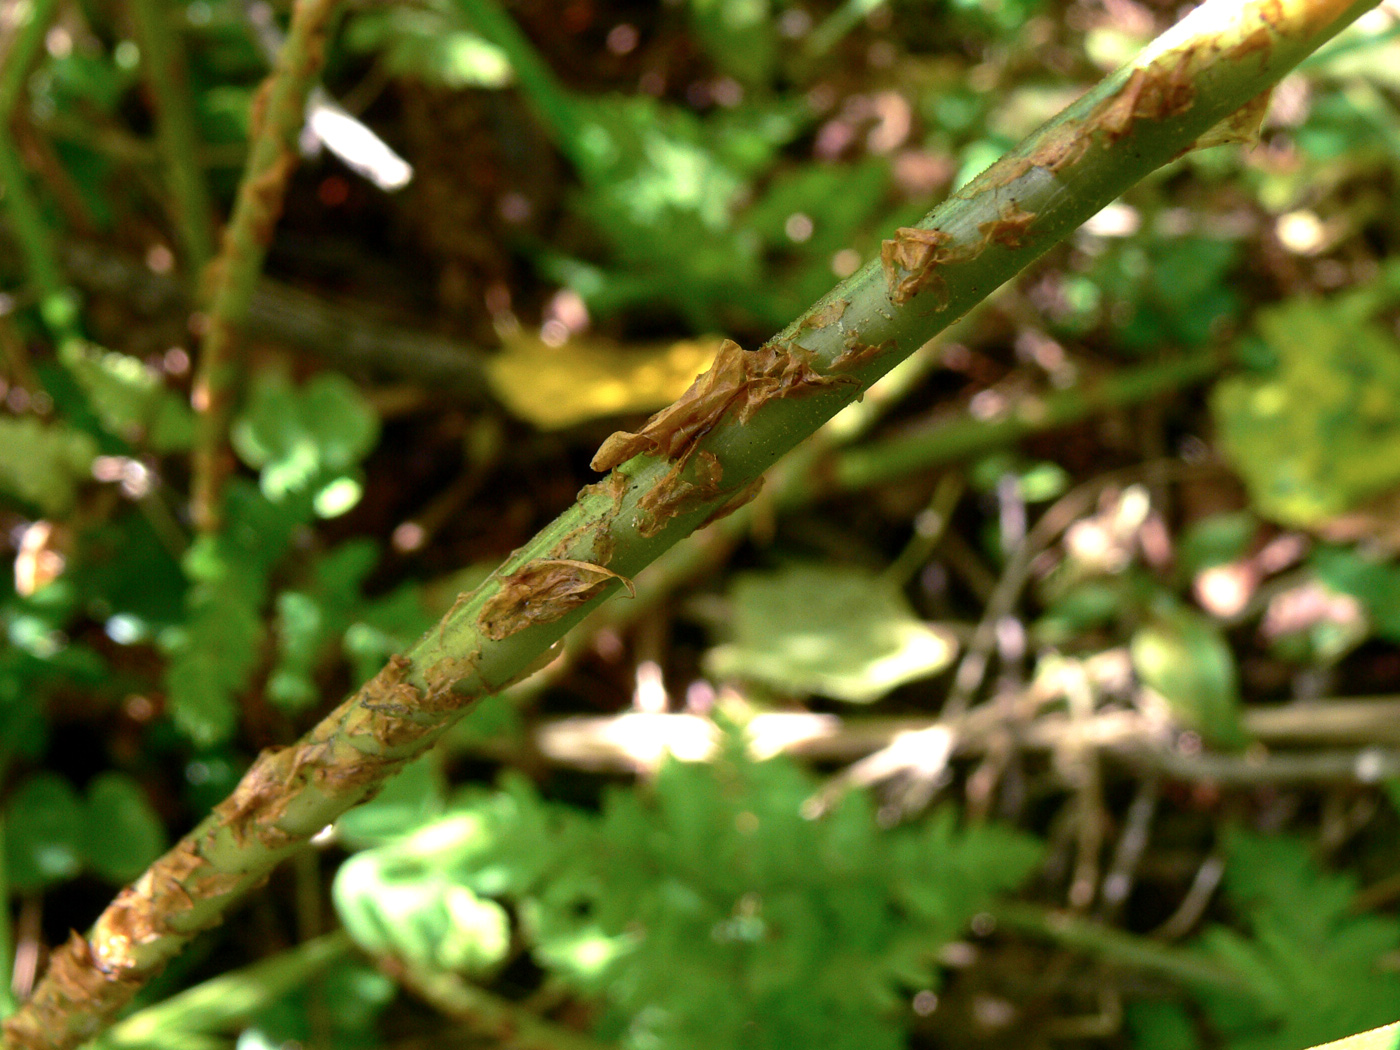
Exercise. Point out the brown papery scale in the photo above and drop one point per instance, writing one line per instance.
(545, 590)
(737, 381)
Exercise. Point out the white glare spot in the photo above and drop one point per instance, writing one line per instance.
(361, 149)
(1116, 220)
(59, 42)
(1301, 232)
(845, 262)
(408, 537)
(798, 227)
(925, 1003)
(159, 259)
(554, 332)
(125, 629)
(622, 38)
(649, 693)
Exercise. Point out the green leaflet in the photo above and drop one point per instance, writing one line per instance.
(1320, 433)
(709, 913)
(52, 833)
(833, 630)
(1314, 963)
(44, 464)
(307, 439)
(1182, 655)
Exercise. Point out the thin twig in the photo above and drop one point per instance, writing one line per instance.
(619, 743)
(1132, 844)
(486, 1015)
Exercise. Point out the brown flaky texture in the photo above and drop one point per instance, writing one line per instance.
(545, 590)
(918, 252)
(287, 795)
(738, 382)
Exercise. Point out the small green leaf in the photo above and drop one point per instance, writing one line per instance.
(1182, 655)
(44, 832)
(123, 832)
(43, 465)
(827, 629)
(303, 440)
(130, 398)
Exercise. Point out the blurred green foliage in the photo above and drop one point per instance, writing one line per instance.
(706, 912)
(831, 630)
(1311, 962)
(1319, 433)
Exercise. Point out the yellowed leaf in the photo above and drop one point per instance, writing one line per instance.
(588, 378)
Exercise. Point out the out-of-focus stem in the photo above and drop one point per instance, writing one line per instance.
(278, 112)
(163, 59)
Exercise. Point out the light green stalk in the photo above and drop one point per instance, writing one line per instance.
(278, 112)
(691, 462)
(163, 59)
(58, 303)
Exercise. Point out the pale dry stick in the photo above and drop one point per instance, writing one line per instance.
(278, 112)
(1079, 763)
(926, 769)
(1348, 730)
(1064, 512)
(694, 461)
(1197, 899)
(1132, 844)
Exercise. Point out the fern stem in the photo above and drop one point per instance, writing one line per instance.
(278, 112)
(1107, 943)
(692, 462)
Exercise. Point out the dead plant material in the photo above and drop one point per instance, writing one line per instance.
(918, 252)
(825, 315)
(737, 381)
(674, 495)
(545, 590)
(442, 679)
(75, 981)
(1242, 127)
(856, 354)
(747, 494)
(1153, 92)
(1009, 228)
(260, 799)
(394, 702)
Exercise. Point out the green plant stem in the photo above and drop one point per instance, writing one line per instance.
(821, 467)
(484, 1014)
(692, 462)
(7, 934)
(553, 104)
(26, 46)
(229, 999)
(878, 462)
(163, 55)
(1104, 942)
(278, 113)
(58, 304)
